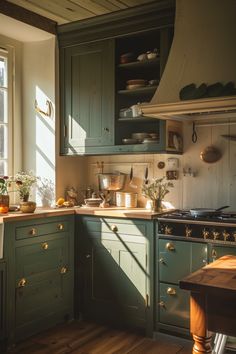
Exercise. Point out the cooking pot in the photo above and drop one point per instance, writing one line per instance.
(198, 212)
(111, 181)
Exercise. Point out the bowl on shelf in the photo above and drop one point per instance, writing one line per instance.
(140, 136)
(126, 58)
(129, 141)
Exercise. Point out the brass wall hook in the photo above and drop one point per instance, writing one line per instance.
(48, 113)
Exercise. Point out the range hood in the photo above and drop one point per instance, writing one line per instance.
(203, 51)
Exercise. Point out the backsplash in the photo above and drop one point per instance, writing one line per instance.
(214, 184)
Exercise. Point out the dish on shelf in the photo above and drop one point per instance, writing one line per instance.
(140, 136)
(129, 141)
(132, 87)
(126, 58)
(149, 141)
(136, 82)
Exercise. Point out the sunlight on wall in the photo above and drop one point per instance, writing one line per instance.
(45, 150)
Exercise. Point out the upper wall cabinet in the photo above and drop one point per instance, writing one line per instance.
(87, 96)
(105, 71)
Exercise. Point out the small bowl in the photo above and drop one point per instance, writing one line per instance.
(140, 136)
(129, 141)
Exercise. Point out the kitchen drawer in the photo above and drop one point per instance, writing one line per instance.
(117, 226)
(34, 230)
(41, 257)
(173, 306)
(176, 259)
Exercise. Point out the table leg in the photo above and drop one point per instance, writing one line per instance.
(198, 324)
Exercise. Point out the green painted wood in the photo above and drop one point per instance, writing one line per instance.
(23, 232)
(185, 258)
(2, 298)
(176, 311)
(116, 274)
(89, 95)
(217, 251)
(47, 297)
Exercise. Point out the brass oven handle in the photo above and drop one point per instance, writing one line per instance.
(171, 291)
(33, 232)
(170, 246)
(168, 230)
(21, 283)
(60, 227)
(45, 246)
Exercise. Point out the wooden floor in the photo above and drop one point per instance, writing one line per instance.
(90, 338)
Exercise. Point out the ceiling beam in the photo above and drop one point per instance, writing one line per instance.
(31, 18)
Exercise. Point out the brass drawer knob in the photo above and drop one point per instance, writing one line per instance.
(33, 232)
(213, 254)
(161, 260)
(162, 304)
(171, 291)
(45, 246)
(170, 246)
(63, 270)
(114, 228)
(22, 283)
(60, 227)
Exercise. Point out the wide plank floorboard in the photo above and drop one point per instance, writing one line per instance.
(91, 338)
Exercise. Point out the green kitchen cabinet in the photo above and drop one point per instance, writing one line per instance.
(114, 271)
(40, 282)
(175, 260)
(87, 94)
(94, 89)
(2, 299)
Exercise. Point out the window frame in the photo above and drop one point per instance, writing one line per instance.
(7, 52)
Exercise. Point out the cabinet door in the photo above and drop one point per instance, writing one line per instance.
(2, 300)
(88, 95)
(116, 279)
(179, 258)
(217, 251)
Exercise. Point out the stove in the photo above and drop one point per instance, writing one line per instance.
(181, 223)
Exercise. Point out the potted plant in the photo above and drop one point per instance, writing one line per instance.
(24, 182)
(4, 196)
(156, 191)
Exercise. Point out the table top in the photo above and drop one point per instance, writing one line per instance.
(219, 276)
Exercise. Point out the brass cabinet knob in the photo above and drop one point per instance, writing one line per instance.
(60, 227)
(33, 232)
(161, 260)
(188, 231)
(45, 246)
(22, 283)
(170, 246)
(162, 304)
(63, 270)
(114, 228)
(168, 230)
(216, 235)
(205, 233)
(171, 291)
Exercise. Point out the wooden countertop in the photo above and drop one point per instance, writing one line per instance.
(136, 213)
(217, 276)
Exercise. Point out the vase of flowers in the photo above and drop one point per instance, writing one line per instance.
(4, 196)
(24, 183)
(156, 191)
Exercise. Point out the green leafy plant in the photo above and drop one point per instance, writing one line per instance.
(157, 189)
(5, 182)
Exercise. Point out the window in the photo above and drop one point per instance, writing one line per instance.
(4, 113)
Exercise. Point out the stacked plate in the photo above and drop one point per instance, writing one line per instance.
(133, 84)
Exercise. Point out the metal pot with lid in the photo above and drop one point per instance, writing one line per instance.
(111, 181)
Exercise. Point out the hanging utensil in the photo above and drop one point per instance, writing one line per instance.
(210, 154)
(146, 176)
(131, 177)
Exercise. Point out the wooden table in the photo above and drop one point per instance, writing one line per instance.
(212, 302)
